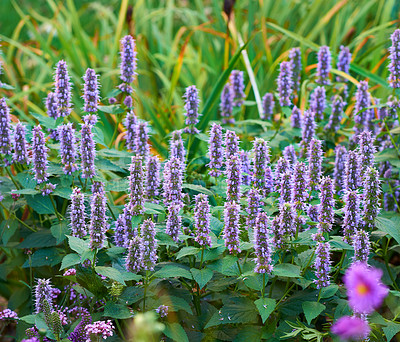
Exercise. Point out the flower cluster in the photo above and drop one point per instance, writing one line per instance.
(5, 130)
(351, 221)
(149, 245)
(192, 109)
(62, 89)
(285, 84)
(363, 100)
(77, 213)
(8, 314)
(326, 214)
(336, 114)
(231, 145)
(295, 118)
(322, 264)
(324, 65)
(98, 221)
(253, 207)
(130, 126)
(90, 91)
(162, 310)
(226, 105)
(260, 161)
(202, 217)
(20, 150)
(136, 191)
(268, 105)
(101, 329)
(215, 150)
(233, 178)
(176, 147)
(339, 171)
(152, 181)
(352, 171)
(314, 164)
(66, 135)
(142, 136)
(39, 155)
(308, 126)
(318, 102)
(394, 66)
(371, 194)
(128, 63)
(245, 163)
(343, 62)
(172, 185)
(262, 245)
(174, 221)
(134, 258)
(88, 149)
(237, 83)
(231, 227)
(295, 61)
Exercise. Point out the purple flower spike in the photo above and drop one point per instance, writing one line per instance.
(62, 89)
(176, 147)
(90, 119)
(162, 310)
(278, 234)
(90, 91)
(43, 291)
(299, 185)
(142, 136)
(327, 206)
(308, 126)
(231, 145)
(287, 217)
(282, 166)
(284, 186)
(314, 164)
(173, 178)
(79, 333)
(324, 65)
(215, 151)
(365, 151)
(318, 102)
(39, 155)
(174, 221)
(339, 172)
(77, 214)
(51, 106)
(130, 126)
(312, 212)
(352, 172)
(361, 246)
(253, 208)
(351, 221)
(295, 118)
(134, 259)
(236, 80)
(343, 62)
(128, 60)
(128, 101)
(290, 154)
(245, 162)
(285, 84)
(226, 105)
(66, 135)
(231, 227)
(149, 245)
(129, 231)
(261, 159)
(5, 129)
(268, 105)
(202, 218)
(192, 109)
(153, 178)
(394, 65)
(336, 114)
(136, 191)
(363, 100)
(233, 179)
(371, 198)
(97, 187)
(119, 231)
(20, 151)
(322, 264)
(295, 61)
(98, 221)
(262, 245)
(88, 151)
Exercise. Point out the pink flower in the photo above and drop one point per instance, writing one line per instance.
(364, 288)
(351, 328)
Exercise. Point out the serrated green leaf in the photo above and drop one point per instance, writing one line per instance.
(175, 332)
(172, 271)
(8, 229)
(116, 311)
(59, 231)
(312, 310)
(78, 245)
(175, 303)
(42, 238)
(391, 329)
(388, 226)
(185, 251)
(198, 188)
(112, 109)
(287, 270)
(255, 281)
(202, 277)
(30, 319)
(70, 260)
(41, 204)
(265, 307)
(111, 273)
(329, 291)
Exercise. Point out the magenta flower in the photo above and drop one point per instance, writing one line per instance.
(351, 328)
(364, 288)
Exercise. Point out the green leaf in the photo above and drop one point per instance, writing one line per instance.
(26, 192)
(111, 273)
(175, 303)
(198, 188)
(59, 231)
(202, 277)
(172, 271)
(42, 238)
(116, 311)
(388, 226)
(44, 257)
(30, 319)
(312, 310)
(78, 245)
(327, 292)
(175, 332)
(112, 109)
(391, 330)
(107, 165)
(70, 260)
(8, 229)
(255, 281)
(41, 204)
(287, 270)
(185, 251)
(152, 208)
(265, 307)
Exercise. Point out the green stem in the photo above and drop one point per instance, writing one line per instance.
(12, 178)
(272, 286)
(119, 329)
(263, 288)
(19, 220)
(55, 208)
(339, 266)
(386, 257)
(319, 295)
(201, 259)
(145, 290)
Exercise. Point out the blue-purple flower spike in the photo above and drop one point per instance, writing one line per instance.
(371, 198)
(262, 245)
(43, 291)
(20, 150)
(215, 150)
(153, 178)
(361, 246)
(98, 221)
(231, 145)
(287, 217)
(142, 136)
(253, 207)
(322, 264)
(192, 109)
(66, 135)
(363, 100)
(39, 155)
(295, 61)
(130, 124)
(134, 259)
(128, 63)
(327, 206)
(268, 105)
(202, 218)
(176, 147)
(336, 114)
(174, 221)
(308, 128)
(339, 171)
(285, 84)
(62, 89)
(77, 214)
(51, 106)
(299, 185)
(284, 186)
(324, 65)
(136, 191)
(318, 102)
(290, 155)
(5, 129)
(149, 245)
(226, 105)
(90, 91)
(245, 162)
(314, 164)
(88, 151)
(261, 159)
(352, 171)
(236, 80)
(231, 227)
(282, 166)
(351, 221)
(295, 118)
(365, 151)
(119, 231)
(343, 62)
(173, 179)
(394, 65)
(233, 179)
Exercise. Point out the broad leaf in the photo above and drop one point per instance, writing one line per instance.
(202, 277)
(287, 270)
(312, 310)
(265, 307)
(70, 260)
(172, 271)
(116, 311)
